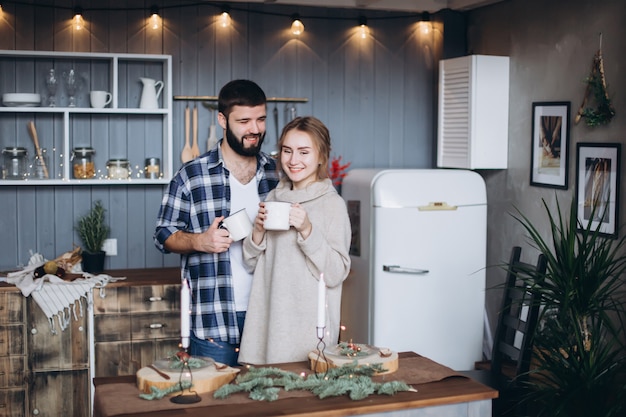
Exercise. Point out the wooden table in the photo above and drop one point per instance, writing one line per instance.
(453, 396)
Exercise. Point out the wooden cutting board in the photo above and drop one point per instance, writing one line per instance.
(204, 380)
(320, 363)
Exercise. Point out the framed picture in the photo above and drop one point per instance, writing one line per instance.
(550, 144)
(597, 186)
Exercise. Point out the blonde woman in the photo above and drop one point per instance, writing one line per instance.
(282, 311)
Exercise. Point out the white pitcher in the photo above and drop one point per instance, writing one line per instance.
(150, 94)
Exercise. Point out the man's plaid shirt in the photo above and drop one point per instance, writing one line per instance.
(198, 194)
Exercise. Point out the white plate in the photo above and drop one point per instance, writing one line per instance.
(366, 351)
(21, 100)
(168, 365)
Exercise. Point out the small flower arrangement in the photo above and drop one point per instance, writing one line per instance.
(337, 171)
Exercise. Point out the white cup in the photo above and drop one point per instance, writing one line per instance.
(277, 215)
(99, 99)
(238, 225)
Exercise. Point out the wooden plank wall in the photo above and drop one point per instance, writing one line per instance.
(376, 96)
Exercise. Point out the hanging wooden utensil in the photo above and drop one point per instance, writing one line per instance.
(187, 153)
(33, 134)
(195, 150)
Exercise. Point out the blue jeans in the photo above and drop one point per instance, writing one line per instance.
(222, 352)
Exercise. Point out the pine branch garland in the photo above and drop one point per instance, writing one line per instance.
(263, 384)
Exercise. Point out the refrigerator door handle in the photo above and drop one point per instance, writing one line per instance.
(404, 270)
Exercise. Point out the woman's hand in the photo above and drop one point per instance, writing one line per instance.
(299, 219)
(258, 232)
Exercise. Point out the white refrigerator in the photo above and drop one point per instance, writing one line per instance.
(418, 262)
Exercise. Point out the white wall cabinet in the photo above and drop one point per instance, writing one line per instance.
(473, 116)
(121, 130)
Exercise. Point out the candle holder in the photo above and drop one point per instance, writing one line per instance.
(321, 349)
(190, 397)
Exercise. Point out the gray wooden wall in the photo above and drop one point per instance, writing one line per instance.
(376, 95)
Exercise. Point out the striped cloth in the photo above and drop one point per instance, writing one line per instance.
(58, 299)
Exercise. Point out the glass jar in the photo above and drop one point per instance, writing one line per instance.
(15, 163)
(40, 165)
(119, 169)
(83, 166)
(152, 169)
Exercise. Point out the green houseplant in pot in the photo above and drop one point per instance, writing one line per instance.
(92, 231)
(580, 353)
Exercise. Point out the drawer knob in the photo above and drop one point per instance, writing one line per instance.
(33, 331)
(153, 299)
(157, 325)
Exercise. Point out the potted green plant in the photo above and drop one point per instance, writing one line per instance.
(92, 231)
(580, 353)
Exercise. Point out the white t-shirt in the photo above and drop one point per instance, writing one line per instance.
(242, 196)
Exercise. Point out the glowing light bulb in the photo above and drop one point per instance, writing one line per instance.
(224, 19)
(297, 27)
(155, 19)
(364, 31)
(78, 21)
(424, 26)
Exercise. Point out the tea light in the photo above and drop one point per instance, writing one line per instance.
(321, 306)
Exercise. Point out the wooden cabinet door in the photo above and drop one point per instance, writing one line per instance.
(60, 393)
(63, 349)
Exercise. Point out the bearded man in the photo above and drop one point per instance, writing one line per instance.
(232, 176)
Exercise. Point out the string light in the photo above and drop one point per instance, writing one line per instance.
(155, 19)
(224, 19)
(424, 26)
(297, 27)
(364, 31)
(78, 18)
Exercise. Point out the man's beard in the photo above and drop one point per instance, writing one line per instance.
(237, 145)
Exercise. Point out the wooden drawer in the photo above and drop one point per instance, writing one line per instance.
(111, 300)
(155, 326)
(114, 358)
(12, 340)
(12, 403)
(112, 327)
(126, 358)
(154, 298)
(137, 299)
(12, 372)
(11, 307)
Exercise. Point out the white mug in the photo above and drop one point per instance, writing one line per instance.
(99, 99)
(238, 225)
(277, 215)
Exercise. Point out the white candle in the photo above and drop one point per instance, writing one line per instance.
(321, 303)
(185, 309)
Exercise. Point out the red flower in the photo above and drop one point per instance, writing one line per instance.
(336, 171)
